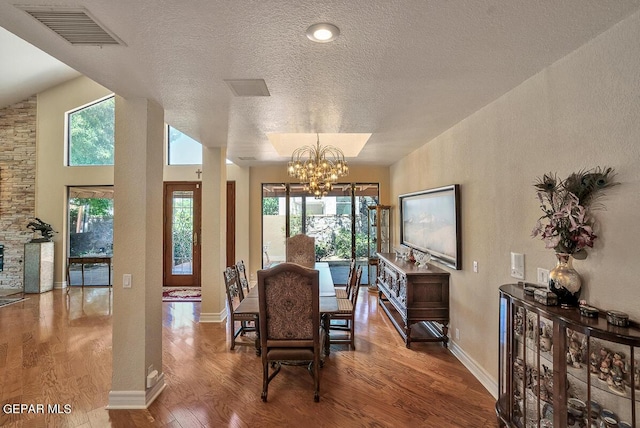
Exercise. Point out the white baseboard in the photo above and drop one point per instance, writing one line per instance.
(475, 369)
(213, 316)
(122, 400)
(60, 285)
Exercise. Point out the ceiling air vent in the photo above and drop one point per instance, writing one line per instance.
(248, 87)
(246, 158)
(76, 25)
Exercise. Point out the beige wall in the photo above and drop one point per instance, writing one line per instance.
(53, 176)
(278, 174)
(579, 113)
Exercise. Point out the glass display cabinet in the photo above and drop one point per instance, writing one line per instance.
(558, 368)
(378, 239)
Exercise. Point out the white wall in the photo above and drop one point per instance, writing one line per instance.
(580, 112)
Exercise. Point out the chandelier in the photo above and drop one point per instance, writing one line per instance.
(317, 168)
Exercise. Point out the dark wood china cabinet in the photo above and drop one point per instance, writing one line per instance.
(558, 368)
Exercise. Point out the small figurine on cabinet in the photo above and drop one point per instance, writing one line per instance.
(605, 364)
(412, 257)
(575, 349)
(617, 373)
(546, 339)
(546, 385)
(519, 328)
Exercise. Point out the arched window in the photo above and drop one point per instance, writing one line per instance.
(90, 134)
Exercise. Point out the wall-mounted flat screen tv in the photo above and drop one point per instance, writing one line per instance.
(430, 222)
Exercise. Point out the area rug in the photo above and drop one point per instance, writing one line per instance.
(4, 301)
(181, 294)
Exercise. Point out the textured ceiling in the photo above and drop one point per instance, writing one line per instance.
(403, 70)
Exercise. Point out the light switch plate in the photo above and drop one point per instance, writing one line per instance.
(517, 265)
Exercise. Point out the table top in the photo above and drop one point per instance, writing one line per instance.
(328, 300)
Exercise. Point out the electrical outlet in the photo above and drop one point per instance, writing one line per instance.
(475, 266)
(457, 334)
(126, 280)
(543, 276)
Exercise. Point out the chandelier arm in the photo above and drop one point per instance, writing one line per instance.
(317, 167)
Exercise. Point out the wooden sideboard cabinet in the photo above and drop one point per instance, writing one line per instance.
(416, 299)
(560, 369)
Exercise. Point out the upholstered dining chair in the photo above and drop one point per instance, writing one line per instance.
(242, 277)
(347, 312)
(289, 308)
(344, 293)
(248, 322)
(301, 249)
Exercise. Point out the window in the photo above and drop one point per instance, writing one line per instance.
(338, 222)
(183, 150)
(90, 221)
(91, 134)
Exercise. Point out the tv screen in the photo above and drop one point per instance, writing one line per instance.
(430, 223)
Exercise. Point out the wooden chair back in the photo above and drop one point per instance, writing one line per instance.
(232, 286)
(242, 277)
(301, 249)
(248, 322)
(289, 319)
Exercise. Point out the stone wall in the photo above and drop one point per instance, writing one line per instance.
(17, 185)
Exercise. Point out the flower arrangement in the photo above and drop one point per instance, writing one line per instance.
(567, 225)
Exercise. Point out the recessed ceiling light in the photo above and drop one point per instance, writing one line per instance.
(323, 32)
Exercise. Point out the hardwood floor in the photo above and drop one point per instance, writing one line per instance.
(56, 349)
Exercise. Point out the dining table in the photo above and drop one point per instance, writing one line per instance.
(328, 302)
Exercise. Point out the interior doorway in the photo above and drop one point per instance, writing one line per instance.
(182, 220)
(231, 223)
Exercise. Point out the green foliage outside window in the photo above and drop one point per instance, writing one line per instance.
(343, 244)
(270, 206)
(98, 207)
(91, 134)
(182, 230)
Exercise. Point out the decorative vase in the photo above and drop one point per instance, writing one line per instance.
(564, 281)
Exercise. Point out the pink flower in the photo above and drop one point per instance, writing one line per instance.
(552, 242)
(566, 224)
(584, 239)
(537, 230)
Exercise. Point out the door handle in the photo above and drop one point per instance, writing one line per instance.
(195, 238)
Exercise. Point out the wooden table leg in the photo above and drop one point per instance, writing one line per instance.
(326, 322)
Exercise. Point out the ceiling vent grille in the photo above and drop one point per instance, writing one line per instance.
(75, 25)
(248, 87)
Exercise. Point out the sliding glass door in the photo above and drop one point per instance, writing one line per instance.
(337, 222)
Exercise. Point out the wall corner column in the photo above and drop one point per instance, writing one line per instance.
(137, 251)
(214, 236)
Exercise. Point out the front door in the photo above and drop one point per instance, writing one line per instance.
(182, 234)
